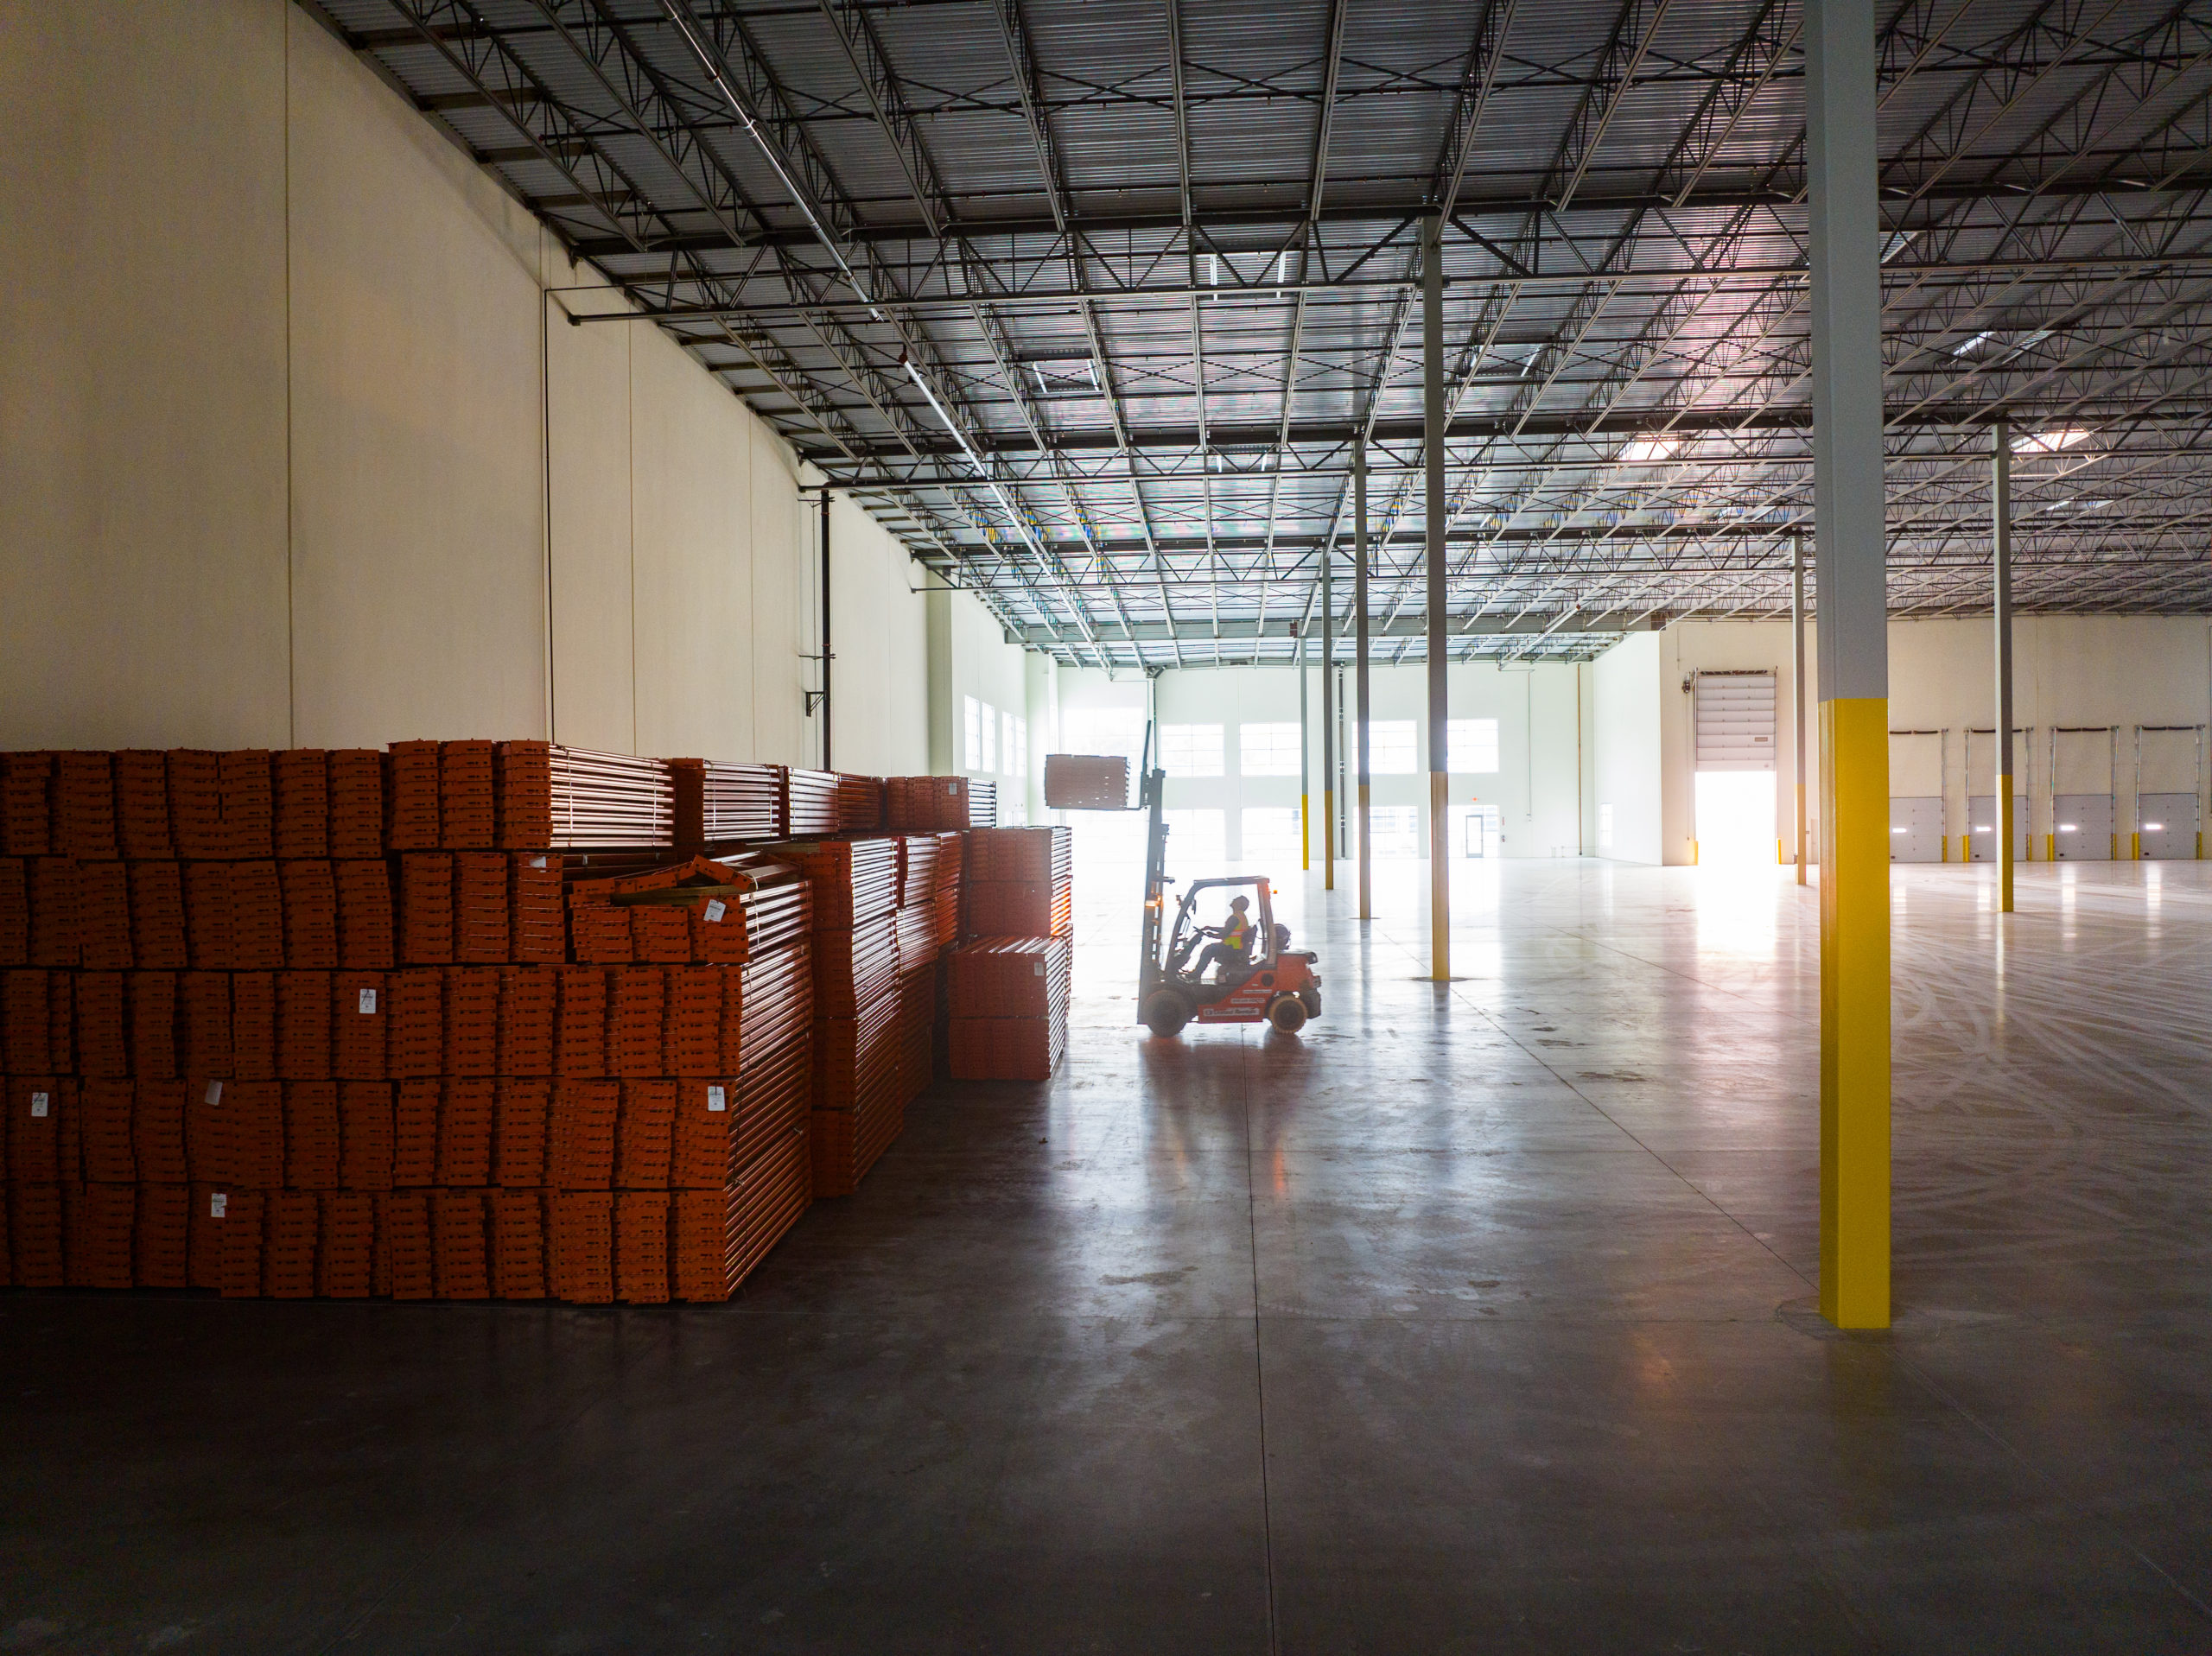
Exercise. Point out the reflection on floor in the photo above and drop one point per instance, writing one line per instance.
(1472, 1319)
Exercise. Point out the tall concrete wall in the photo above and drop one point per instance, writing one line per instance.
(2070, 670)
(297, 445)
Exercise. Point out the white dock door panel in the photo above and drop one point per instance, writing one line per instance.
(2083, 829)
(1916, 828)
(1735, 721)
(2169, 827)
(1981, 827)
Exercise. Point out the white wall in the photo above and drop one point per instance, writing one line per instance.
(968, 655)
(2069, 670)
(1628, 750)
(299, 448)
(1541, 756)
(880, 633)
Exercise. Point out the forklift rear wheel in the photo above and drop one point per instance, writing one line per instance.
(1166, 1012)
(1288, 1014)
(1311, 998)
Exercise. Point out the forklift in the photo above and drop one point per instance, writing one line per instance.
(1271, 982)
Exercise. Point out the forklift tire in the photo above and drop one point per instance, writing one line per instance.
(1288, 1014)
(1166, 1012)
(1311, 1000)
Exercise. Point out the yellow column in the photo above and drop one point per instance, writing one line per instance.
(1845, 299)
(1855, 1012)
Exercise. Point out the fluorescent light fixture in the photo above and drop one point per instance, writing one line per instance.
(1644, 450)
(1965, 346)
(2067, 827)
(2153, 827)
(1981, 827)
(2049, 442)
(1898, 830)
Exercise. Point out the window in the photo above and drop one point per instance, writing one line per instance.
(1267, 751)
(1196, 845)
(975, 737)
(990, 722)
(1007, 758)
(1392, 752)
(1191, 750)
(1397, 831)
(1108, 731)
(1022, 746)
(1270, 835)
(1470, 747)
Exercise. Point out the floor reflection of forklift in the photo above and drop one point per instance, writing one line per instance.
(1264, 979)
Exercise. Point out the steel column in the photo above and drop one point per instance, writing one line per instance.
(1359, 676)
(1437, 556)
(828, 654)
(2000, 498)
(1797, 695)
(1305, 769)
(1328, 729)
(1851, 605)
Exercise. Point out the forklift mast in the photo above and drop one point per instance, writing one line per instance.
(1156, 871)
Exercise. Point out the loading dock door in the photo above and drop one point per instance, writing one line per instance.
(1735, 721)
(2169, 827)
(1917, 830)
(1981, 827)
(2081, 828)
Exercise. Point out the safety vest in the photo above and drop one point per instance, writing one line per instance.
(1236, 931)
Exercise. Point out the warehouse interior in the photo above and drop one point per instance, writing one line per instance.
(1670, 539)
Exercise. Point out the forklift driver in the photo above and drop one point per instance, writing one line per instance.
(1236, 935)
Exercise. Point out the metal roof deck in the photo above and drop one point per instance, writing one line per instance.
(1089, 303)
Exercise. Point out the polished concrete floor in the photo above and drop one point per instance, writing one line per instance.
(1474, 1319)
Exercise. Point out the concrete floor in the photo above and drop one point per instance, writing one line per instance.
(1473, 1319)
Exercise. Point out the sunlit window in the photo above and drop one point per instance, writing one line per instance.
(1270, 835)
(1392, 752)
(1268, 750)
(975, 735)
(1470, 747)
(1190, 750)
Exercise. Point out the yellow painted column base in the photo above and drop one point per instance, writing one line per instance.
(1329, 839)
(1366, 857)
(1855, 1012)
(1305, 836)
(2006, 827)
(1440, 877)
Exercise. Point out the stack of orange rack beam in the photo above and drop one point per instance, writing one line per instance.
(1021, 883)
(1009, 998)
(232, 1062)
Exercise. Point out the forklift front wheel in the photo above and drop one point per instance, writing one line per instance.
(1166, 1012)
(1288, 1014)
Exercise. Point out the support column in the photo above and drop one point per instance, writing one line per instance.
(1439, 838)
(1305, 769)
(1328, 728)
(1359, 675)
(2001, 527)
(1797, 681)
(1852, 606)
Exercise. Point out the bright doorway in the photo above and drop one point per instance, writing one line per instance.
(1735, 817)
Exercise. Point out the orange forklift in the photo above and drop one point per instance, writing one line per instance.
(1263, 979)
